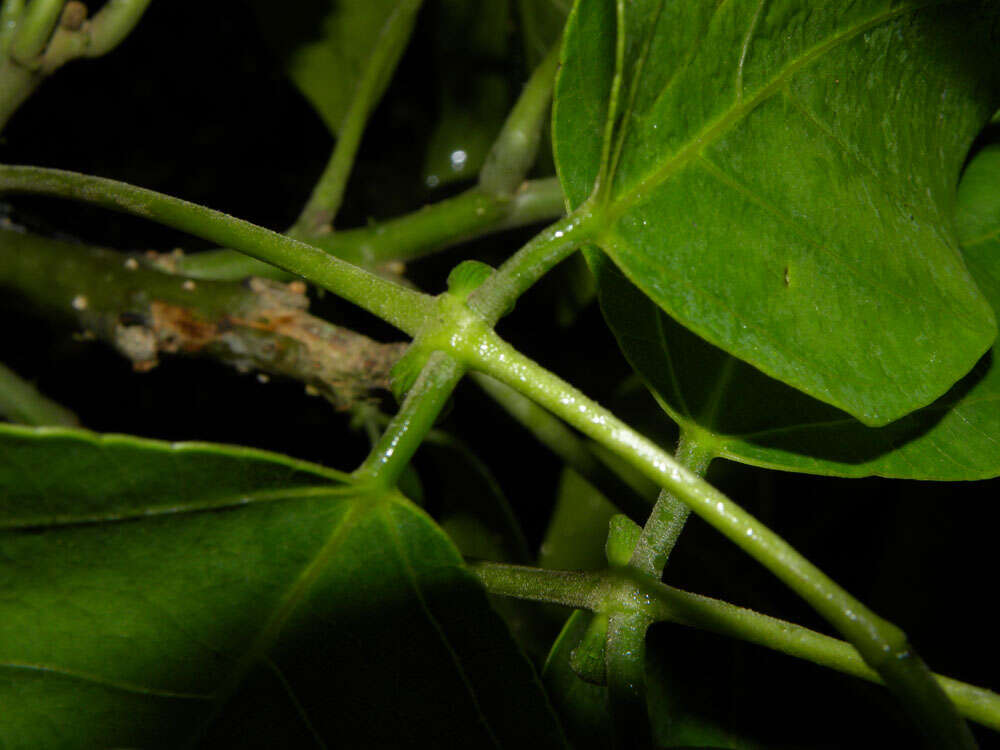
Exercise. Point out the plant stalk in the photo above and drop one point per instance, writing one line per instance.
(430, 229)
(496, 297)
(665, 523)
(397, 305)
(667, 604)
(112, 23)
(38, 39)
(34, 28)
(884, 646)
(574, 451)
(516, 147)
(22, 403)
(625, 663)
(407, 430)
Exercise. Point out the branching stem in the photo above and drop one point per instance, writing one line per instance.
(432, 228)
(665, 523)
(667, 604)
(397, 305)
(496, 297)
(884, 647)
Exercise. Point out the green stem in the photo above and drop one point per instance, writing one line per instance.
(432, 228)
(61, 40)
(34, 29)
(668, 604)
(324, 203)
(22, 403)
(625, 661)
(723, 618)
(112, 23)
(397, 305)
(884, 646)
(568, 588)
(665, 523)
(394, 450)
(574, 451)
(454, 323)
(625, 650)
(514, 151)
(496, 297)
(10, 14)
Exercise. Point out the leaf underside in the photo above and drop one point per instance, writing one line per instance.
(152, 594)
(703, 388)
(780, 179)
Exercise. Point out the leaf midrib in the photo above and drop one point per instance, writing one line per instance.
(94, 679)
(713, 131)
(229, 502)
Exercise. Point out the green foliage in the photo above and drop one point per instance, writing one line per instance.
(732, 404)
(156, 592)
(780, 183)
(794, 237)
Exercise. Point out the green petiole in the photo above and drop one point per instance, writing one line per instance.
(404, 308)
(589, 591)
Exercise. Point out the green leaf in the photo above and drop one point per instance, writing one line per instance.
(754, 419)
(779, 179)
(325, 46)
(154, 593)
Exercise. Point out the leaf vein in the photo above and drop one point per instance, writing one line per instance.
(126, 687)
(393, 532)
(208, 506)
(714, 130)
(296, 703)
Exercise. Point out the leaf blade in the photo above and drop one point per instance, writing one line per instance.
(734, 211)
(955, 438)
(135, 628)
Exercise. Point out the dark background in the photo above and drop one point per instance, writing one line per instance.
(194, 104)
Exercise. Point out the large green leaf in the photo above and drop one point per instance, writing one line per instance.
(325, 46)
(780, 176)
(151, 593)
(758, 420)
